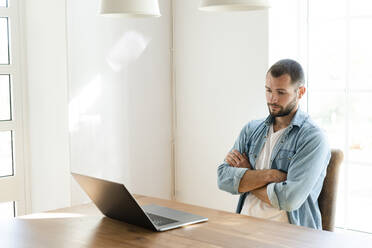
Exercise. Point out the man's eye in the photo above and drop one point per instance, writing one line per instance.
(281, 93)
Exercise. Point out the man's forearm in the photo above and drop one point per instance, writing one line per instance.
(261, 194)
(255, 179)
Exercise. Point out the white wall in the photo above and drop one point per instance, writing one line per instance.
(221, 61)
(47, 107)
(120, 98)
(120, 103)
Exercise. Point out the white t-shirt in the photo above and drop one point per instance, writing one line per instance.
(254, 206)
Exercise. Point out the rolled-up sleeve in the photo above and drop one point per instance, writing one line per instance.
(306, 172)
(228, 177)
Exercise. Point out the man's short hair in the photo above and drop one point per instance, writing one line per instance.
(290, 67)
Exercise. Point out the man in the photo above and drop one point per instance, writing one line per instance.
(278, 165)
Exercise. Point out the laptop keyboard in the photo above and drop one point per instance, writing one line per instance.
(160, 220)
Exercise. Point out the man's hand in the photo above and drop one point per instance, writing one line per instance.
(235, 159)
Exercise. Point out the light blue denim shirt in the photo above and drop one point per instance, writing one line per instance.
(302, 152)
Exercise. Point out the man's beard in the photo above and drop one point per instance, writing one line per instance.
(283, 111)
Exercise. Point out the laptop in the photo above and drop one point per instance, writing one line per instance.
(115, 202)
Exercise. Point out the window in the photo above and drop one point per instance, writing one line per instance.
(333, 44)
(3, 3)
(339, 92)
(12, 176)
(6, 154)
(4, 41)
(5, 106)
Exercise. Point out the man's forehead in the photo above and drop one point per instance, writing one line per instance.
(284, 81)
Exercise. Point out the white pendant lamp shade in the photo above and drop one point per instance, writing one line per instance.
(233, 5)
(130, 8)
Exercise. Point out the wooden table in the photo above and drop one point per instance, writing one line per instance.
(84, 226)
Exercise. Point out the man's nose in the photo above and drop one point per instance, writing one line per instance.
(274, 98)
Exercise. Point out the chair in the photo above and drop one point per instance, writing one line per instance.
(328, 195)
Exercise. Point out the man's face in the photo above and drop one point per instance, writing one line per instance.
(281, 95)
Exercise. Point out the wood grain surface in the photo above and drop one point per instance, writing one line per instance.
(85, 226)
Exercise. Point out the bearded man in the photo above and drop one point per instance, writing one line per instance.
(278, 164)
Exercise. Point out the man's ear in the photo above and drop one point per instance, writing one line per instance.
(301, 91)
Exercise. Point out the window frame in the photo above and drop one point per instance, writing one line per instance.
(17, 189)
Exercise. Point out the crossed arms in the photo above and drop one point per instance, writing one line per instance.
(254, 181)
(289, 191)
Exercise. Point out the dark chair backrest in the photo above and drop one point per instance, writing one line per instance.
(328, 195)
